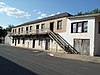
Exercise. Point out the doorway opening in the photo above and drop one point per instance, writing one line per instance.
(51, 26)
(47, 44)
(15, 42)
(33, 43)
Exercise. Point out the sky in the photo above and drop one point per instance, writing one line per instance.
(16, 12)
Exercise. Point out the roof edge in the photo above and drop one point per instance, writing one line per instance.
(65, 14)
(80, 16)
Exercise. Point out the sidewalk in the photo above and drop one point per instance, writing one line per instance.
(76, 57)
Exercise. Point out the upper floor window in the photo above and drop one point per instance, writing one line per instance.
(15, 31)
(22, 30)
(79, 27)
(30, 28)
(59, 24)
(26, 28)
(42, 26)
(19, 31)
(85, 26)
(73, 27)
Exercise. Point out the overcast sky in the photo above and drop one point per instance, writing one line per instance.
(16, 12)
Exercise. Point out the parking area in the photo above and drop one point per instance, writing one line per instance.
(22, 61)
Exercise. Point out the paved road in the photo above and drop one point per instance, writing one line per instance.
(20, 61)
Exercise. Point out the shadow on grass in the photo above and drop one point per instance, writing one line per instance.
(10, 68)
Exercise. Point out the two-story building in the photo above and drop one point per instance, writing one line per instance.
(62, 32)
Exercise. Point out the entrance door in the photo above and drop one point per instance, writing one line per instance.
(33, 43)
(47, 44)
(82, 45)
(15, 42)
(51, 26)
(37, 28)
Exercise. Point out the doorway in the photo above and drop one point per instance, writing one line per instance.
(82, 45)
(33, 43)
(15, 42)
(47, 44)
(51, 26)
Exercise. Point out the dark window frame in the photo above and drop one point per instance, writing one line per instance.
(27, 28)
(22, 30)
(59, 24)
(18, 30)
(43, 26)
(77, 27)
(31, 28)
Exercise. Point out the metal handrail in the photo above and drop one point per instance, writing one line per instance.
(35, 31)
(61, 41)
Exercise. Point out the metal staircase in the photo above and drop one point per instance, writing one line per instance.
(62, 43)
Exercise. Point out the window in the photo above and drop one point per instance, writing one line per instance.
(73, 26)
(26, 30)
(30, 28)
(23, 40)
(99, 27)
(85, 26)
(22, 30)
(59, 24)
(18, 40)
(42, 26)
(19, 31)
(79, 27)
(15, 31)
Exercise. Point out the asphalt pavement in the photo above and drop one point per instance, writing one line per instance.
(22, 61)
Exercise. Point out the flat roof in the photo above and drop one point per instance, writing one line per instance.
(65, 14)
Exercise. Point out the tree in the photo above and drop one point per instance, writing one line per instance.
(95, 11)
(9, 28)
(79, 13)
(3, 32)
(89, 12)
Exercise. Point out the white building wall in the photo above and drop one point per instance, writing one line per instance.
(89, 35)
(97, 38)
(8, 39)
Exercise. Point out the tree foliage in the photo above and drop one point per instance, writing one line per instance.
(89, 12)
(9, 27)
(3, 31)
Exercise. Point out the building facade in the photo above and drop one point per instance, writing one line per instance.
(60, 33)
(8, 39)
